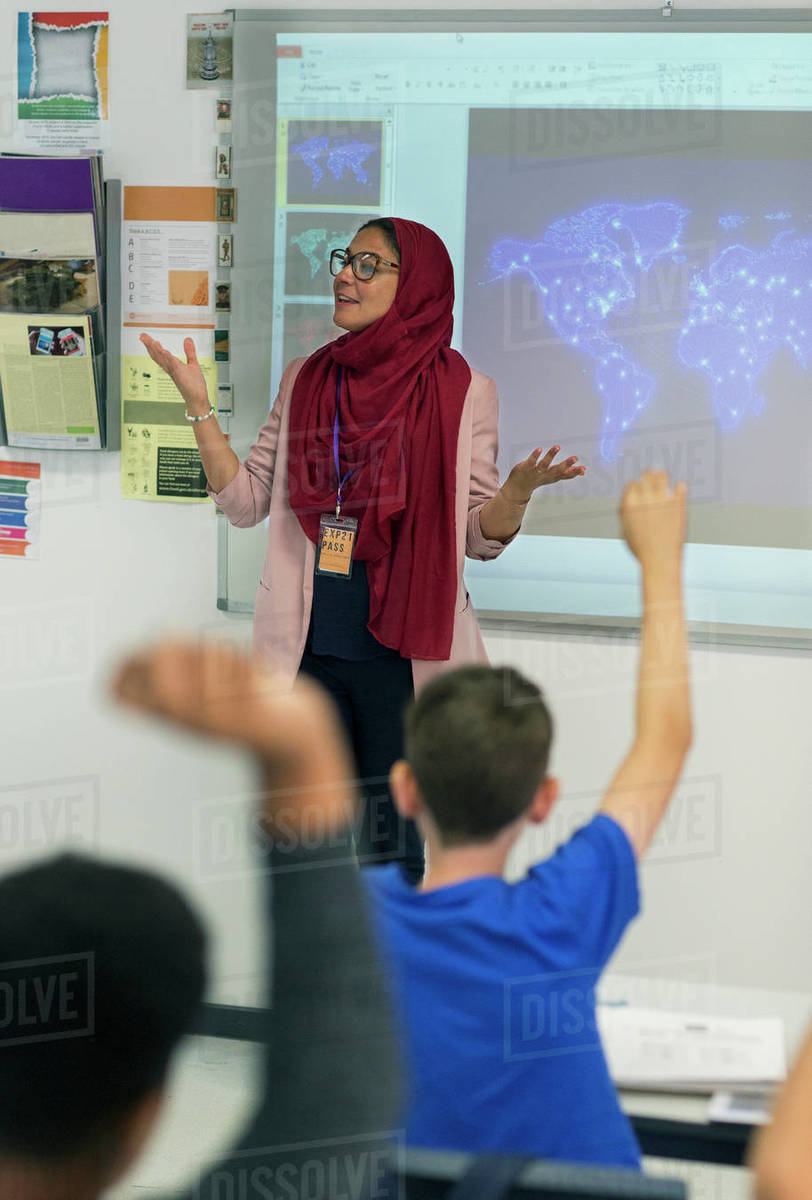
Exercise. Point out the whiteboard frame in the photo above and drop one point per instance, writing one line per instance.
(249, 369)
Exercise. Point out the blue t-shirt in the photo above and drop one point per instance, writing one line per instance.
(496, 987)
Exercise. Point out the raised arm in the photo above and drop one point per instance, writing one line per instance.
(782, 1155)
(330, 1083)
(653, 520)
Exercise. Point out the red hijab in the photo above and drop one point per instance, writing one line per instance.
(402, 394)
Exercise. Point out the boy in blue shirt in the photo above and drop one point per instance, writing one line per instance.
(496, 981)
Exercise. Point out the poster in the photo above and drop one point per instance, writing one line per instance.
(62, 82)
(48, 382)
(20, 501)
(209, 50)
(170, 257)
(159, 457)
(169, 262)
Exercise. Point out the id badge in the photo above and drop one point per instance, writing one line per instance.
(336, 544)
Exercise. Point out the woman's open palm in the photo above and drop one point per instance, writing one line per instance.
(537, 470)
(187, 376)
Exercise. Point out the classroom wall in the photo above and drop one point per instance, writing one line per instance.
(725, 890)
(728, 893)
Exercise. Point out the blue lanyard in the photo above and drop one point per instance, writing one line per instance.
(341, 481)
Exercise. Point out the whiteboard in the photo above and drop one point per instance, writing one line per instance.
(601, 185)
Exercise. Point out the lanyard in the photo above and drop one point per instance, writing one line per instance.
(341, 481)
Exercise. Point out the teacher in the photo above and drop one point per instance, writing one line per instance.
(377, 472)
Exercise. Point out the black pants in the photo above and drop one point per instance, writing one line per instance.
(371, 696)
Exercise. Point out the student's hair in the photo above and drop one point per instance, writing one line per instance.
(102, 968)
(478, 741)
(387, 228)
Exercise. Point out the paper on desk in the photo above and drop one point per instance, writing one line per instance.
(739, 1108)
(655, 1050)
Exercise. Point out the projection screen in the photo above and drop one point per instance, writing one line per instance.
(627, 205)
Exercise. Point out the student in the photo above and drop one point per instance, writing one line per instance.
(103, 971)
(496, 981)
(782, 1155)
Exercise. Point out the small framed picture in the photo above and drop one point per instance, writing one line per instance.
(222, 162)
(225, 398)
(224, 116)
(222, 296)
(225, 204)
(225, 249)
(221, 345)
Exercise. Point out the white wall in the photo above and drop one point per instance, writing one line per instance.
(112, 573)
(726, 890)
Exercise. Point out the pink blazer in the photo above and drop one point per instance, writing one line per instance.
(285, 593)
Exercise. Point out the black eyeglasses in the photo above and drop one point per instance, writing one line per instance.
(364, 264)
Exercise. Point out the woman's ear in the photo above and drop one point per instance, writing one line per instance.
(405, 791)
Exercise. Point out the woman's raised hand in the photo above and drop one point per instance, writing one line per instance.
(535, 471)
(186, 376)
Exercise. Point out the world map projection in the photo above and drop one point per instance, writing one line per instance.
(314, 245)
(748, 303)
(747, 306)
(320, 154)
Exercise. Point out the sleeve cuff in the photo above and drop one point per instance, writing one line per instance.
(229, 493)
(478, 546)
(622, 851)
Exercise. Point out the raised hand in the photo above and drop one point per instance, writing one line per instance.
(217, 689)
(536, 471)
(187, 376)
(653, 517)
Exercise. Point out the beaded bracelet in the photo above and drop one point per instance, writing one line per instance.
(205, 416)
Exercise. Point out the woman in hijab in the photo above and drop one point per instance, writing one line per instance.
(377, 471)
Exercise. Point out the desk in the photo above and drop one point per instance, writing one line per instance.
(675, 1125)
(667, 1124)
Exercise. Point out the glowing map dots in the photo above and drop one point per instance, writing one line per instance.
(312, 243)
(732, 221)
(758, 307)
(337, 155)
(585, 269)
(315, 243)
(749, 304)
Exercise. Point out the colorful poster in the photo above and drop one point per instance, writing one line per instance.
(19, 509)
(169, 257)
(159, 456)
(62, 81)
(169, 261)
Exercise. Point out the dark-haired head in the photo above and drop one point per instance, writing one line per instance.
(477, 741)
(102, 969)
